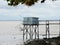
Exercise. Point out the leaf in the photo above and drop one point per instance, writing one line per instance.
(42, 1)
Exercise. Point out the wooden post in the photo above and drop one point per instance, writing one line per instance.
(38, 31)
(35, 32)
(26, 32)
(47, 30)
(59, 28)
(23, 33)
(30, 33)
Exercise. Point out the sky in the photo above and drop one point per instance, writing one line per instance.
(45, 11)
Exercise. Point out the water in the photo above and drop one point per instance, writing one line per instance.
(10, 33)
(11, 39)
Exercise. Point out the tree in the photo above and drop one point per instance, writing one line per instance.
(26, 2)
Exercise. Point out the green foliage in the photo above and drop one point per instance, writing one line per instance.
(26, 2)
(13, 2)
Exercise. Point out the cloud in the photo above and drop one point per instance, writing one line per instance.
(48, 10)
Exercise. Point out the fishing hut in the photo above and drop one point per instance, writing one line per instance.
(31, 28)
